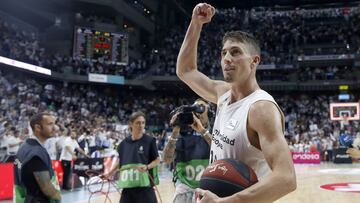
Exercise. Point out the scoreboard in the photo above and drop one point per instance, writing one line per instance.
(95, 44)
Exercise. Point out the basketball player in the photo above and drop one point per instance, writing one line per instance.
(191, 150)
(138, 157)
(249, 125)
(35, 179)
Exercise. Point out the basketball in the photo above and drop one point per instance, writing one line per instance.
(226, 177)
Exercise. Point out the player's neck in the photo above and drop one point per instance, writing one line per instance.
(242, 90)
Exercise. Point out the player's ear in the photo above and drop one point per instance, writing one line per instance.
(255, 61)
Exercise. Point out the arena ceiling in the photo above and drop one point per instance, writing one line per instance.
(266, 3)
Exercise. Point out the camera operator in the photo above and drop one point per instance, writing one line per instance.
(189, 147)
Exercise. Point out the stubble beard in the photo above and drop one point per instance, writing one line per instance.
(228, 78)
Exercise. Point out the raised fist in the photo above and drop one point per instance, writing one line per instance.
(203, 13)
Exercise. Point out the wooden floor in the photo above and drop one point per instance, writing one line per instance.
(309, 180)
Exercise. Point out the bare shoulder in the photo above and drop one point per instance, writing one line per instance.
(263, 108)
(264, 116)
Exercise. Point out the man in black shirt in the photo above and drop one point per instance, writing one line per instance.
(35, 180)
(138, 158)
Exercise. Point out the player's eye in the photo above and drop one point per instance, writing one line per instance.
(235, 52)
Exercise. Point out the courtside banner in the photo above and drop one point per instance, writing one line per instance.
(81, 166)
(306, 157)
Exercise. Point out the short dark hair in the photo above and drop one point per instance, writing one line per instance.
(136, 115)
(209, 107)
(37, 118)
(243, 37)
(203, 100)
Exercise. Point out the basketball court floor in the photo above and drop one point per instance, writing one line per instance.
(311, 181)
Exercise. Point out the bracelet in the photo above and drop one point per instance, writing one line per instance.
(172, 139)
(206, 132)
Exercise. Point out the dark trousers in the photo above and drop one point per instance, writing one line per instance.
(330, 155)
(138, 195)
(66, 165)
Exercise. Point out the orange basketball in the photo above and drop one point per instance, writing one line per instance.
(227, 176)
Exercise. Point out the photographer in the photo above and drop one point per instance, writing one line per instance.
(190, 150)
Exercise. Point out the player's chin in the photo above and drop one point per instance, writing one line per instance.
(228, 78)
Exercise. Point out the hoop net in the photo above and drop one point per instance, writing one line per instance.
(344, 121)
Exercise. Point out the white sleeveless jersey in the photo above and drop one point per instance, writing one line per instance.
(229, 137)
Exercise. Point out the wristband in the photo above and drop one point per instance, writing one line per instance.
(172, 139)
(206, 132)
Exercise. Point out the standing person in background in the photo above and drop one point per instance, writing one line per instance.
(67, 155)
(138, 158)
(13, 143)
(35, 179)
(92, 143)
(189, 147)
(247, 116)
(51, 145)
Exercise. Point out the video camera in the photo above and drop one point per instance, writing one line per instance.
(185, 114)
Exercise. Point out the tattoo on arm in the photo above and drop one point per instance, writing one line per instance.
(169, 151)
(44, 182)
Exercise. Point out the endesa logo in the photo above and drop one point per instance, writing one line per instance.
(307, 157)
(343, 187)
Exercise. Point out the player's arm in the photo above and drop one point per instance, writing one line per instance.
(186, 66)
(354, 153)
(265, 119)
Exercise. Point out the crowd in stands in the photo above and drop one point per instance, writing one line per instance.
(283, 36)
(326, 73)
(24, 46)
(293, 33)
(82, 108)
(308, 127)
(99, 116)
